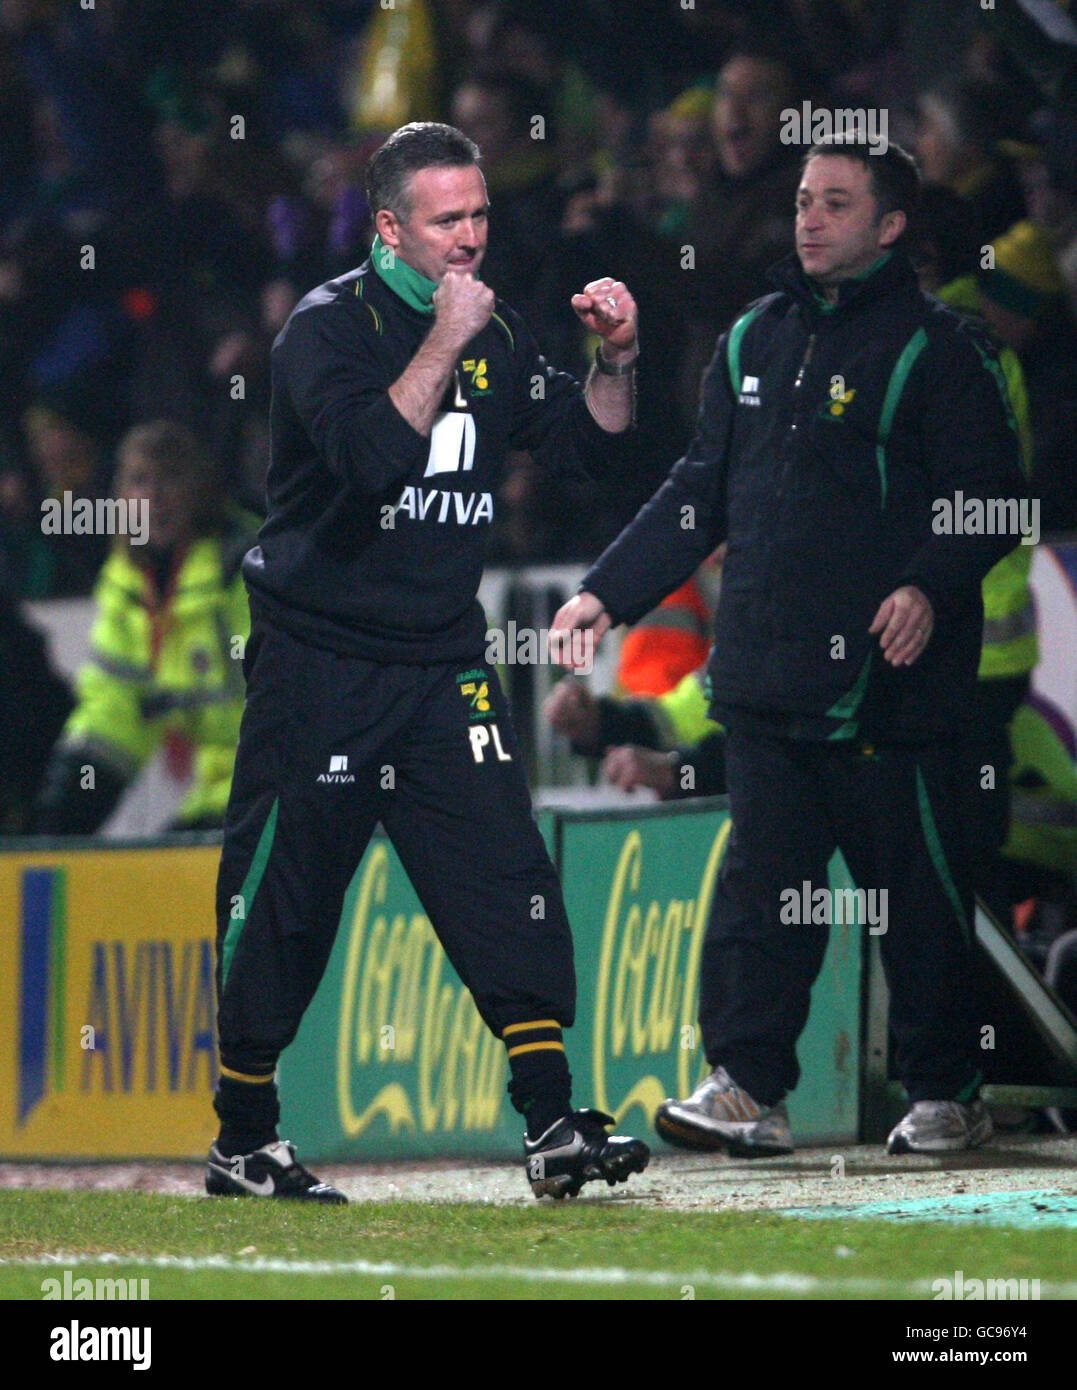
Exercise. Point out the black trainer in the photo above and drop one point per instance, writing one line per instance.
(270, 1171)
(577, 1149)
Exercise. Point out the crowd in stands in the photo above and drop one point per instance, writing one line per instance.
(174, 178)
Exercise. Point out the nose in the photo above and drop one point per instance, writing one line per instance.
(811, 219)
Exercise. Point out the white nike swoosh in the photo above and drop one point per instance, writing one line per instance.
(265, 1188)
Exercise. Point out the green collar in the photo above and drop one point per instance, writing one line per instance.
(826, 307)
(414, 289)
(873, 267)
(404, 280)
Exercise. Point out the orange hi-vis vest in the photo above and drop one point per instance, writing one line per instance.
(667, 644)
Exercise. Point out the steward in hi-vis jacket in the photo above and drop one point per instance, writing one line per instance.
(166, 644)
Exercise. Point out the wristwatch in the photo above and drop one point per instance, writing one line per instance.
(614, 368)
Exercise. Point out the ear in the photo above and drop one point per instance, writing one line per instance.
(891, 227)
(387, 226)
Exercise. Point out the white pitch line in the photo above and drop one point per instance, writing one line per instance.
(537, 1274)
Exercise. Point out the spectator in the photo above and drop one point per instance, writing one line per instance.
(192, 276)
(60, 331)
(740, 224)
(675, 638)
(166, 643)
(1024, 304)
(947, 257)
(960, 124)
(397, 77)
(34, 702)
(682, 156)
(1050, 184)
(62, 457)
(666, 743)
(508, 119)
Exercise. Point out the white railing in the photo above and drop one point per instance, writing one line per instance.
(530, 597)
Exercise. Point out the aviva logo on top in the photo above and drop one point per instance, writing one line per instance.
(452, 451)
(107, 961)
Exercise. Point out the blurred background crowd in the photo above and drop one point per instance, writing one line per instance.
(175, 176)
(614, 137)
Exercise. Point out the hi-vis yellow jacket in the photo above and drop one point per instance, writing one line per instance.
(163, 662)
(680, 715)
(1009, 647)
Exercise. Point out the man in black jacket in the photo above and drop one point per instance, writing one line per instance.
(855, 449)
(397, 390)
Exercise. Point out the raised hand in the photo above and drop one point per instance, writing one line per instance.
(607, 308)
(462, 306)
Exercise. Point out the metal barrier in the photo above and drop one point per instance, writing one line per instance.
(529, 599)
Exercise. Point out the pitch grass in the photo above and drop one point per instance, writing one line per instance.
(590, 1235)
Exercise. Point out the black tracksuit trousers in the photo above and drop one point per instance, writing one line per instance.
(893, 811)
(332, 744)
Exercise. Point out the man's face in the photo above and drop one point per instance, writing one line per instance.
(683, 154)
(836, 229)
(747, 113)
(446, 222)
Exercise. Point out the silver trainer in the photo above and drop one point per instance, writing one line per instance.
(720, 1115)
(941, 1127)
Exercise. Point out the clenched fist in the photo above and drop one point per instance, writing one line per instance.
(607, 308)
(462, 306)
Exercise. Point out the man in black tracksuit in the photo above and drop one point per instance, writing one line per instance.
(397, 390)
(843, 419)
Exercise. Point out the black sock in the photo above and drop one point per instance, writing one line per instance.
(541, 1084)
(249, 1110)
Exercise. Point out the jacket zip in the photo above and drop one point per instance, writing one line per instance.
(770, 606)
(796, 408)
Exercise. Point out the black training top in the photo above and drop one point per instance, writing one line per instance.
(374, 539)
(833, 443)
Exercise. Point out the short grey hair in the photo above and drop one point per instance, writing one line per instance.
(419, 145)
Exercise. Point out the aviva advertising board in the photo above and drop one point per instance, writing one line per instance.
(108, 1050)
(106, 967)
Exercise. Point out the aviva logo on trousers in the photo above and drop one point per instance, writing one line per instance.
(123, 1015)
(338, 770)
